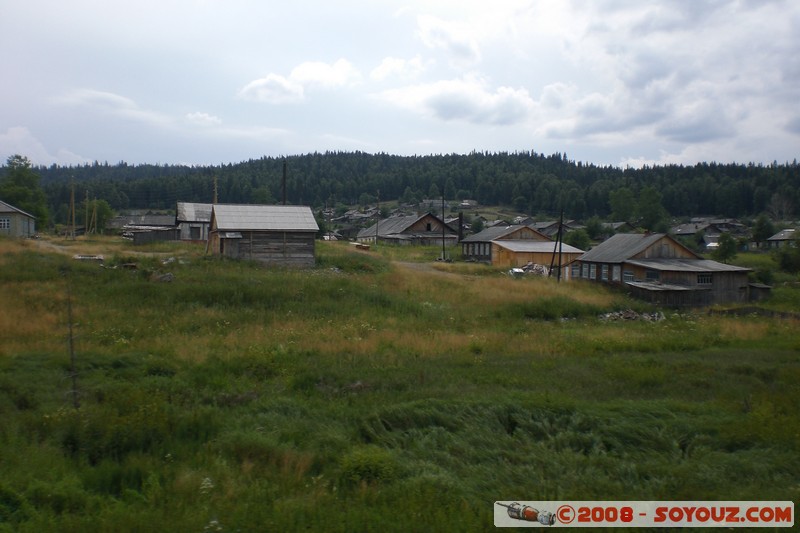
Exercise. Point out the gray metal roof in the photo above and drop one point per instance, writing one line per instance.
(686, 265)
(495, 232)
(263, 217)
(528, 245)
(784, 235)
(191, 212)
(394, 225)
(620, 247)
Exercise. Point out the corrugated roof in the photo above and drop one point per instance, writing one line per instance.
(686, 265)
(620, 247)
(537, 246)
(191, 212)
(784, 235)
(394, 225)
(263, 217)
(495, 232)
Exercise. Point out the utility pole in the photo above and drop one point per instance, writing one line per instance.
(283, 183)
(377, 217)
(86, 215)
(444, 225)
(215, 199)
(73, 371)
(71, 232)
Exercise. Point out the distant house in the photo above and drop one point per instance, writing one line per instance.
(550, 228)
(783, 238)
(193, 221)
(517, 246)
(657, 268)
(427, 229)
(272, 234)
(708, 231)
(15, 222)
(478, 247)
(546, 253)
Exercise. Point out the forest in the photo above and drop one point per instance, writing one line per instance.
(530, 182)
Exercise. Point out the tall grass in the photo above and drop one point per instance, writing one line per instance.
(364, 394)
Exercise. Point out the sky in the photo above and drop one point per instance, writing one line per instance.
(199, 82)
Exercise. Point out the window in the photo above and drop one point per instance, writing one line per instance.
(585, 271)
(604, 273)
(5, 223)
(194, 233)
(471, 249)
(704, 278)
(615, 275)
(652, 275)
(428, 226)
(592, 271)
(627, 276)
(576, 271)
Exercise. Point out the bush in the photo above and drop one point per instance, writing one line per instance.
(368, 464)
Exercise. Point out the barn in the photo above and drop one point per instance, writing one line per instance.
(193, 220)
(15, 222)
(271, 234)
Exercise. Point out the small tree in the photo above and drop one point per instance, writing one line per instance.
(579, 239)
(726, 249)
(762, 230)
(20, 188)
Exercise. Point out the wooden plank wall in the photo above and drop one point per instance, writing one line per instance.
(278, 248)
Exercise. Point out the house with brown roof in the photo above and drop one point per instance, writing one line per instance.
(272, 234)
(657, 268)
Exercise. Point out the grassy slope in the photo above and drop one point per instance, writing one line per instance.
(365, 395)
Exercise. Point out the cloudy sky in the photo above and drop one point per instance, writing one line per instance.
(619, 82)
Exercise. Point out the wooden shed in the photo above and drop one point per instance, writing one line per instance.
(272, 234)
(193, 220)
(15, 222)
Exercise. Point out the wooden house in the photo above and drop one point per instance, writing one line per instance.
(193, 221)
(518, 246)
(478, 247)
(15, 222)
(784, 238)
(427, 229)
(272, 234)
(657, 268)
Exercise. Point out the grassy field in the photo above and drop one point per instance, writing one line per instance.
(367, 394)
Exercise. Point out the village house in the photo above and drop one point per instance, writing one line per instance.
(478, 247)
(15, 222)
(272, 234)
(193, 221)
(657, 268)
(427, 229)
(783, 238)
(518, 246)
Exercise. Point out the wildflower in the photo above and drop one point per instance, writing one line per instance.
(206, 486)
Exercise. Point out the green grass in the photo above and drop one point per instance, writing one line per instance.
(363, 394)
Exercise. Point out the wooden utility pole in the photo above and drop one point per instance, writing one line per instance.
(444, 225)
(71, 232)
(283, 183)
(215, 199)
(378, 217)
(86, 215)
(73, 371)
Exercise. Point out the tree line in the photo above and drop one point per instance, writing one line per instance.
(529, 182)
